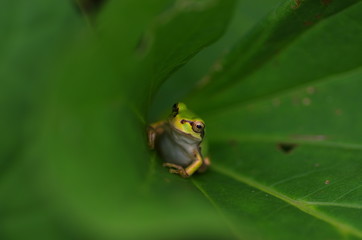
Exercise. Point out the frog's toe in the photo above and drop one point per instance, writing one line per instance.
(172, 165)
(205, 165)
(176, 169)
(180, 172)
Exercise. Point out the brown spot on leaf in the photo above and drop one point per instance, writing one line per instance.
(250, 107)
(296, 100)
(286, 147)
(327, 182)
(233, 142)
(217, 67)
(319, 16)
(306, 101)
(296, 4)
(310, 90)
(276, 102)
(326, 2)
(204, 81)
(338, 112)
(308, 23)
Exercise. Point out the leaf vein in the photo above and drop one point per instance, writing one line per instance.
(335, 204)
(286, 91)
(218, 209)
(348, 192)
(306, 207)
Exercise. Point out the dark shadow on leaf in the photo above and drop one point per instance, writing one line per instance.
(89, 7)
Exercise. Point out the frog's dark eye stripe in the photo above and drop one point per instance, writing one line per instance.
(175, 109)
(197, 126)
(183, 121)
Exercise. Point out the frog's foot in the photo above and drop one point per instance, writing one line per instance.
(152, 131)
(205, 165)
(177, 169)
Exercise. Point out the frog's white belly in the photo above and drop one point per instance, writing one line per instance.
(177, 148)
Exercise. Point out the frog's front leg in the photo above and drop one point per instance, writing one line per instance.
(189, 170)
(193, 167)
(152, 131)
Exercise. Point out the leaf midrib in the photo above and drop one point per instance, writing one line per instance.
(304, 206)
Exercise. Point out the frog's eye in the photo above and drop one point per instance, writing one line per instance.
(198, 127)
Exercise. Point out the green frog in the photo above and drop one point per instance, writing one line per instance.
(179, 141)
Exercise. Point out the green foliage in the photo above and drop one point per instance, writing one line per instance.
(281, 108)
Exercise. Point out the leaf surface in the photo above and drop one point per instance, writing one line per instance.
(281, 109)
(285, 133)
(92, 150)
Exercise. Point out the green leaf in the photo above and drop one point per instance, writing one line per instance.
(24, 32)
(281, 109)
(90, 165)
(285, 131)
(33, 36)
(247, 14)
(286, 44)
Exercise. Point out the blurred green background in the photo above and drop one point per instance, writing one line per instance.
(81, 80)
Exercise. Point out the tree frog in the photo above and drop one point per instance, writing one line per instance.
(179, 141)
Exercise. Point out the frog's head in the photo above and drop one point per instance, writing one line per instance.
(185, 122)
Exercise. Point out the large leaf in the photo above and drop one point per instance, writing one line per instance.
(285, 131)
(281, 110)
(91, 173)
(278, 45)
(246, 15)
(33, 36)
